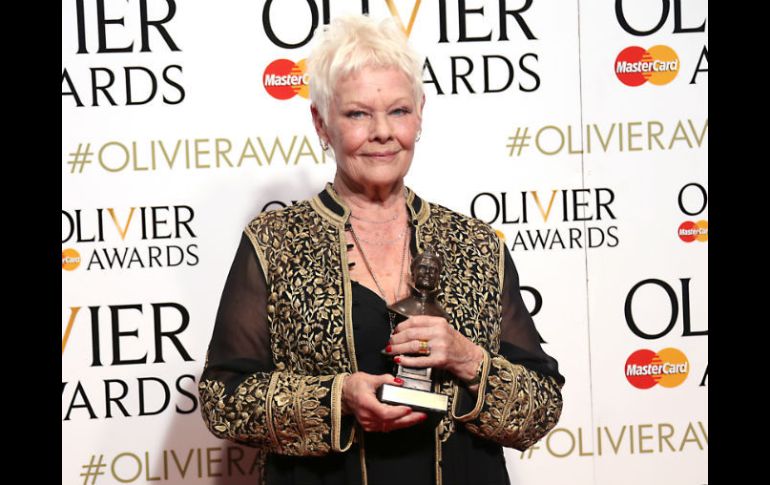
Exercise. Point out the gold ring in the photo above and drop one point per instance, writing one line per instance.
(424, 347)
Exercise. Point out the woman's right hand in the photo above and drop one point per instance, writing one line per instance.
(359, 397)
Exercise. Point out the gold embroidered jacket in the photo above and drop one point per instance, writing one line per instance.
(295, 408)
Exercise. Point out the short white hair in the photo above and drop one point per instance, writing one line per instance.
(352, 42)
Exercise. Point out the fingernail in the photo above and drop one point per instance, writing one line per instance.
(397, 360)
(398, 380)
(423, 417)
(388, 348)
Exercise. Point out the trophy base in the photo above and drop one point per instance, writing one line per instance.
(429, 402)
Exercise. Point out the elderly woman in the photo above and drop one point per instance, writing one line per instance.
(303, 337)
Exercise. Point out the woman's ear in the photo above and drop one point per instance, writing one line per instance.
(318, 122)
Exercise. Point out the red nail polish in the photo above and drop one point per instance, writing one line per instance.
(398, 380)
(397, 360)
(388, 349)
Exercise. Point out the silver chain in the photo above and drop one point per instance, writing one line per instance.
(369, 268)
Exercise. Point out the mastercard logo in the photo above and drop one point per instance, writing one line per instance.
(693, 231)
(635, 66)
(284, 79)
(645, 368)
(70, 259)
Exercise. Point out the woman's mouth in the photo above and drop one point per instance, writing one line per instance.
(382, 155)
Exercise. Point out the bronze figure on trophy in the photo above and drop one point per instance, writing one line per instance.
(416, 392)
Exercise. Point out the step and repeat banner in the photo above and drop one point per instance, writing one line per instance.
(577, 129)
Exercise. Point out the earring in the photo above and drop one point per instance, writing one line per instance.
(324, 145)
(419, 134)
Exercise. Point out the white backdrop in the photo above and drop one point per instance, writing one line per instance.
(171, 143)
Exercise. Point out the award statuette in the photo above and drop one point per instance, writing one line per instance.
(416, 390)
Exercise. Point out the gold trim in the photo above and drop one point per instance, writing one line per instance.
(347, 289)
(417, 238)
(317, 204)
(521, 407)
(421, 217)
(333, 193)
(260, 256)
(409, 197)
(473, 414)
(362, 457)
(269, 411)
(348, 300)
(437, 444)
(336, 405)
(512, 396)
(438, 463)
(298, 416)
(324, 211)
(501, 266)
(424, 213)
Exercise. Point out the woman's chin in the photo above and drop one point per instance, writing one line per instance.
(381, 182)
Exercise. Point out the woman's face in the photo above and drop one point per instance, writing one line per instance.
(372, 125)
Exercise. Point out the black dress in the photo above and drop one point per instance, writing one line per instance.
(402, 457)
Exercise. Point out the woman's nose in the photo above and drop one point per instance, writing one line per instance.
(381, 129)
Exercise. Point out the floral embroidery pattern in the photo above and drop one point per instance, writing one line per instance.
(520, 406)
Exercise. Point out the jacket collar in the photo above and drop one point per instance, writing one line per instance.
(331, 206)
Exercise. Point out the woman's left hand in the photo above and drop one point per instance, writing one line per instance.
(448, 348)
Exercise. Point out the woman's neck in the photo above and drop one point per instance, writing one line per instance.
(376, 202)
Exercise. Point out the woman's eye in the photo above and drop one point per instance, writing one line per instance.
(400, 111)
(356, 114)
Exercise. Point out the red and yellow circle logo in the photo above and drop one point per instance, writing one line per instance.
(645, 368)
(70, 259)
(284, 79)
(635, 66)
(690, 231)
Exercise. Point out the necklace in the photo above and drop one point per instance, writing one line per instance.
(369, 268)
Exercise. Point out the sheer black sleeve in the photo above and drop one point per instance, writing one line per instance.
(244, 398)
(240, 344)
(519, 340)
(519, 396)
